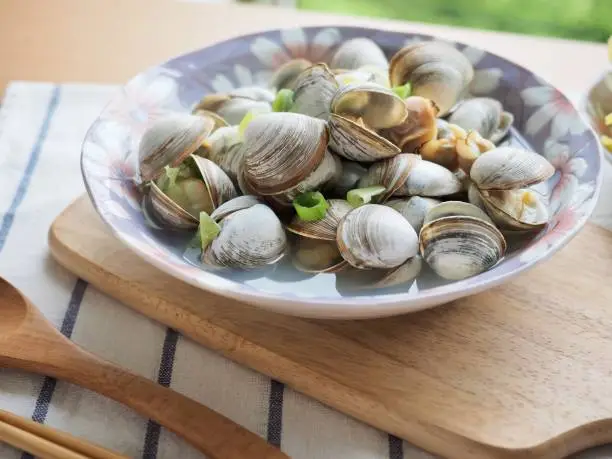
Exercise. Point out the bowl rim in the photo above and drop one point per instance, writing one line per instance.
(353, 307)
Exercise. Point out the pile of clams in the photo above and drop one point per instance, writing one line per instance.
(366, 164)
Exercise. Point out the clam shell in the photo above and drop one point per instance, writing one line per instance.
(325, 228)
(358, 52)
(509, 210)
(459, 247)
(314, 89)
(418, 127)
(317, 256)
(355, 142)
(435, 70)
(286, 75)
(166, 212)
(233, 106)
(507, 168)
(223, 147)
(323, 173)
(249, 238)
(455, 208)
(484, 115)
(169, 141)
(377, 106)
(413, 209)
(235, 109)
(429, 179)
(219, 185)
(234, 205)
(376, 236)
(281, 150)
(217, 120)
(390, 173)
(475, 198)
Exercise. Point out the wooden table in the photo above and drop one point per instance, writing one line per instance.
(108, 41)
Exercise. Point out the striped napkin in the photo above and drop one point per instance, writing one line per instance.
(41, 129)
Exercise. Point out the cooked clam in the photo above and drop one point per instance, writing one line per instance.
(365, 74)
(435, 70)
(314, 89)
(408, 175)
(507, 168)
(325, 228)
(234, 105)
(317, 256)
(178, 196)
(234, 205)
(249, 238)
(281, 150)
(444, 149)
(413, 209)
(516, 210)
(358, 52)
(169, 141)
(352, 279)
(223, 147)
(484, 115)
(351, 173)
(469, 148)
(375, 236)
(459, 247)
(377, 106)
(353, 140)
(418, 127)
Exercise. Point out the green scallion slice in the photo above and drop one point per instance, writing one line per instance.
(208, 230)
(283, 101)
(310, 206)
(360, 196)
(403, 91)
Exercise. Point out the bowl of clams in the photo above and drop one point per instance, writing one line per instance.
(342, 172)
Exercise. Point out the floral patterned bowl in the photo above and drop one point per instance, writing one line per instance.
(545, 121)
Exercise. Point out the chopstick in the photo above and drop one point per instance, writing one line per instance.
(48, 443)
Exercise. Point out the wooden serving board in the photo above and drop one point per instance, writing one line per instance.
(520, 371)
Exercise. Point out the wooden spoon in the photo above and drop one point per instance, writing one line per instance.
(29, 342)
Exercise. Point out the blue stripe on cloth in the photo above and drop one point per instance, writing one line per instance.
(22, 188)
(396, 447)
(48, 388)
(275, 413)
(164, 377)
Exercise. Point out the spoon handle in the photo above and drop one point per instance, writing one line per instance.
(215, 435)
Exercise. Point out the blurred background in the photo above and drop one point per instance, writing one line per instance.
(589, 20)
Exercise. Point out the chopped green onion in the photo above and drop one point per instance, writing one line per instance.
(283, 101)
(360, 196)
(245, 122)
(208, 230)
(403, 91)
(310, 206)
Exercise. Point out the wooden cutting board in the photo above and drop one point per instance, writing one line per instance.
(520, 371)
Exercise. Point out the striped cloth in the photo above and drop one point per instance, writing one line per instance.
(41, 129)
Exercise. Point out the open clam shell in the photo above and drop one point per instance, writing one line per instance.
(516, 210)
(249, 238)
(314, 89)
(507, 168)
(358, 52)
(317, 256)
(169, 141)
(484, 115)
(281, 150)
(413, 209)
(365, 74)
(223, 147)
(435, 70)
(234, 105)
(377, 106)
(376, 236)
(418, 127)
(354, 141)
(459, 247)
(218, 121)
(325, 228)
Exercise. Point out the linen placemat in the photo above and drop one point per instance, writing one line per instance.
(41, 129)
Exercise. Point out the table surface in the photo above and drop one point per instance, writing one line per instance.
(108, 41)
